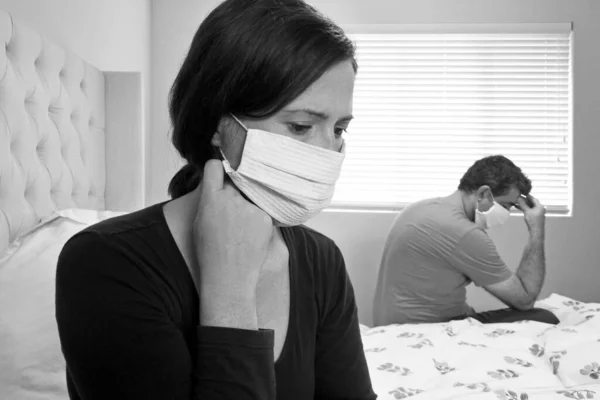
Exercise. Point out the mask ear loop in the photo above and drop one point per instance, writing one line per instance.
(238, 121)
(223, 159)
(493, 198)
(217, 152)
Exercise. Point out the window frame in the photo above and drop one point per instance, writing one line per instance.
(483, 28)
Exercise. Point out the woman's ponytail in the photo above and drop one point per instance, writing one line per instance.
(185, 180)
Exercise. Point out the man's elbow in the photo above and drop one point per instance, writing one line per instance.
(523, 305)
(526, 300)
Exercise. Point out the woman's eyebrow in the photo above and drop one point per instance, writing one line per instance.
(315, 113)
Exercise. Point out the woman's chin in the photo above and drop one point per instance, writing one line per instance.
(278, 224)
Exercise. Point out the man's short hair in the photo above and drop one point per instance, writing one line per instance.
(497, 172)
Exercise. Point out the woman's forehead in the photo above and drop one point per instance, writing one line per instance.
(330, 95)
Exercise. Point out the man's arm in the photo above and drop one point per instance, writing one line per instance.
(522, 289)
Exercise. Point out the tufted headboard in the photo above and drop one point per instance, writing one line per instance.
(53, 133)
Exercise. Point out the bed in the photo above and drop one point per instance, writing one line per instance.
(468, 360)
(71, 154)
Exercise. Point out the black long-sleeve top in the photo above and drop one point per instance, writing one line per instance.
(128, 318)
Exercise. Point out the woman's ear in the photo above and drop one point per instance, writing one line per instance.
(227, 132)
(230, 139)
(216, 139)
(219, 138)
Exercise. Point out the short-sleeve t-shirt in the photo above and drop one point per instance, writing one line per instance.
(433, 251)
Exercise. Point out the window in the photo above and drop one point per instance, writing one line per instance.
(430, 100)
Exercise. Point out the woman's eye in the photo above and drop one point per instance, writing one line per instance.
(340, 131)
(299, 129)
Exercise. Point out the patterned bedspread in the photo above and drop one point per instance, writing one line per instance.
(469, 360)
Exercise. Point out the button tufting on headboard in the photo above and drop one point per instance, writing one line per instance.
(52, 122)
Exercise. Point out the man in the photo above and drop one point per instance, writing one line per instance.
(437, 247)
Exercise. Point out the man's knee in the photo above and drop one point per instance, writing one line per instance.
(543, 315)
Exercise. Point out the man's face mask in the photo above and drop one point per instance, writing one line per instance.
(495, 216)
(289, 180)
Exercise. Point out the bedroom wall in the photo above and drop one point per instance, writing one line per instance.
(112, 35)
(572, 242)
(171, 35)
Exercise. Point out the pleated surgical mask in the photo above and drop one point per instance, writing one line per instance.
(495, 216)
(290, 180)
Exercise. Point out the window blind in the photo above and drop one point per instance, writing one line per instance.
(429, 101)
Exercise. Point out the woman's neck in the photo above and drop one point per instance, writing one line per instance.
(180, 214)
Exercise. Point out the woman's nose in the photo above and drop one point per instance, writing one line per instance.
(326, 140)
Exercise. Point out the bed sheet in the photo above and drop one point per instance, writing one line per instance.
(469, 360)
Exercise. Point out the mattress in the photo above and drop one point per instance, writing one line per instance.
(469, 360)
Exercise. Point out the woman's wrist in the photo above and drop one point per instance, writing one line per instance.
(227, 310)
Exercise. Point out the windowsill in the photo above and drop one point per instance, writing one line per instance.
(396, 210)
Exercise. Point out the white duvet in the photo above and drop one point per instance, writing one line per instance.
(32, 366)
(469, 360)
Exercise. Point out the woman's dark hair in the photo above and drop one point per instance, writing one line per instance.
(251, 58)
(497, 172)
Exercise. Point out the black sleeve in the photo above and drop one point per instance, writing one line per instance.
(119, 343)
(341, 370)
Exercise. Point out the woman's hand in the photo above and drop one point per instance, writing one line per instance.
(232, 238)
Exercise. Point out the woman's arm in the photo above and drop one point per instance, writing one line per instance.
(119, 343)
(340, 366)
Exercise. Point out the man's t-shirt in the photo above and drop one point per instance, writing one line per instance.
(128, 318)
(433, 251)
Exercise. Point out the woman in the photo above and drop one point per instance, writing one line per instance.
(221, 293)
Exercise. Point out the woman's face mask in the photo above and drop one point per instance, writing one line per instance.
(495, 216)
(290, 180)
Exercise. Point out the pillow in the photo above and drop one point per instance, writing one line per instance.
(31, 362)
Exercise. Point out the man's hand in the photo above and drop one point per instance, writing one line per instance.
(535, 215)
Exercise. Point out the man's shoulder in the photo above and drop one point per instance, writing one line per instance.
(476, 241)
(437, 211)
